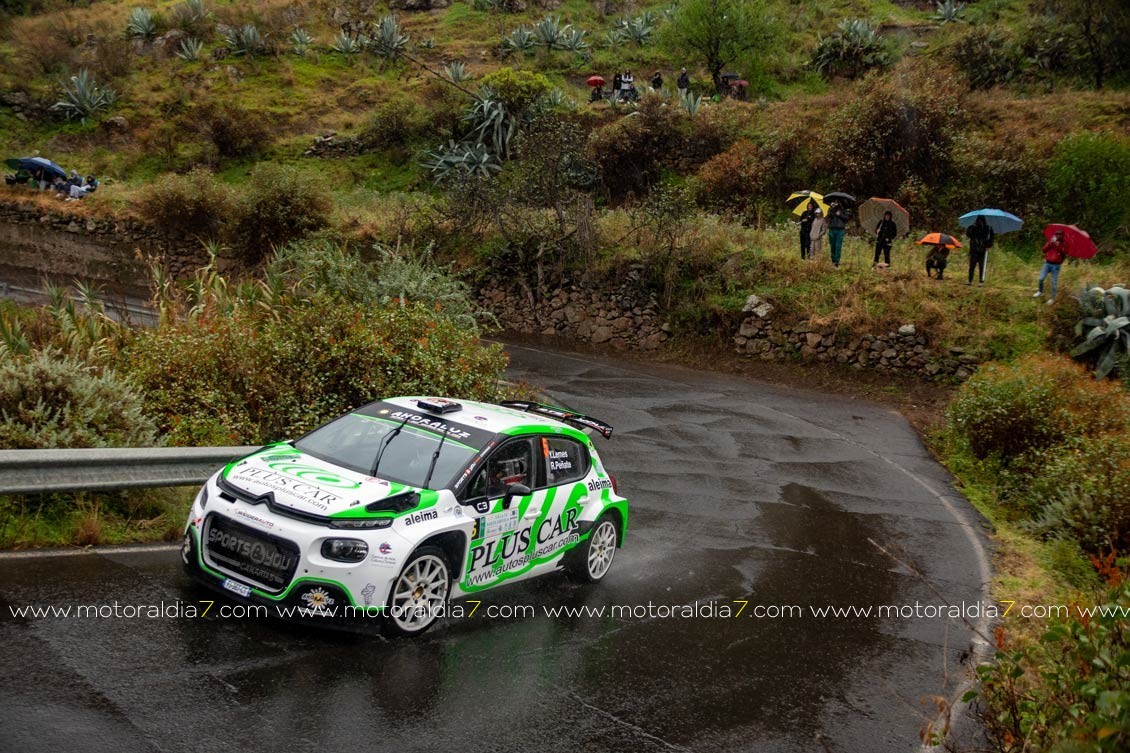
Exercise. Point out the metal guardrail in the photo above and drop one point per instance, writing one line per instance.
(32, 471)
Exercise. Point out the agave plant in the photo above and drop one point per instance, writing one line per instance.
(82, 97)
(246, 40)
(520, 40)
(638, 30)
(388, 41)
(549, 33)
(574, 41)
(490, 123)
(469, 159)
(301, 41)
(855, 46)
(427, 44)
(141, 24)
(190, 49)
(559, 99)
(191, 14)
(347, 44)
(690, 103)
(948, 11)
(1106, 321)
(457, 72)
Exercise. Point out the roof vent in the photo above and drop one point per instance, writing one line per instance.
(439, 405)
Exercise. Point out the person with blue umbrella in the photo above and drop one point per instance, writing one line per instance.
(982, 226)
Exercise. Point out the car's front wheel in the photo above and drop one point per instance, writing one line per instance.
(593, 559)
(419, 594)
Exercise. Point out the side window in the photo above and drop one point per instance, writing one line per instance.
(565, 460)
(512, 463)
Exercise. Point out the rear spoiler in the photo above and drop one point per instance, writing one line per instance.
(560, 414)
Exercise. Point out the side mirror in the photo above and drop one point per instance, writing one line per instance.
(512, 491)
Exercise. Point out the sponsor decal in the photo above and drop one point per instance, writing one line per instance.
(559, 461)
(596, 484)
(255, 552)
(263, 522)
(515, 549)
(237, 588)
(432, 424)
(420, 517)
(317, 599)
(313, 474)
(288, 485)
(481, 418)
(482, 506)
(385, 547)
(383, 556)
(367, 593)
(493, 525)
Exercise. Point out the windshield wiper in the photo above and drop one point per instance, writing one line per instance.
(435, 457)
(384, 444)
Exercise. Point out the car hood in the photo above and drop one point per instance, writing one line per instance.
(306, 484)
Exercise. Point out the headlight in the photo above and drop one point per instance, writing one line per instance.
(345, 550)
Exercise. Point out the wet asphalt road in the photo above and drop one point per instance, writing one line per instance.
(739, 490)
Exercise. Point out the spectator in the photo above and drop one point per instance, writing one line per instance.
(657, 81)
(806, 219)
(980, 241)
(937, 259)
(816, 234)
(1055, 252)
(616, 85)
(627, 87)
(683, 83)
(885, 233)
(597, 94)
(837, 226)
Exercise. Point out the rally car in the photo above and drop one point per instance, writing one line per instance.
(394, 508)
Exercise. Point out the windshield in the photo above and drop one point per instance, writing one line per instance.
(354, 440)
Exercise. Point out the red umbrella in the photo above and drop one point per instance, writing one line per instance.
(1078, 242)
(741, 83)
(595, 81)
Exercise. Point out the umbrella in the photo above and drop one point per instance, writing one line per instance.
(802, 197)
(999, 220)
(844, 198)
(37, 164)
(1079, 243)
(725, 76)
(741, 83)
(595, 81)
(871, 212)
(939, 239)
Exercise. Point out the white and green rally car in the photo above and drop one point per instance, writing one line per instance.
(400, 505)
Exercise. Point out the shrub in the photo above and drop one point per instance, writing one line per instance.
(851, 50)
(190, 205)
(632, 151)
(1105, 327)
(279, 204)
(48, 400)
(231, 129)
(517, 91)
(737, 179)
(262, 378)
(986, 57)
(1065, 691)
(894, 128)
(1008, 412)
(396, 122)
(1085, 168)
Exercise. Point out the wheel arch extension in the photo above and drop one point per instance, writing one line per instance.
(454, 546)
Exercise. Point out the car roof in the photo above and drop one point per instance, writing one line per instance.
(487, 416)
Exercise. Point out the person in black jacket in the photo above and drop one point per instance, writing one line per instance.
(885, 233)
(980, 241)
(683, 83)
(806, 218)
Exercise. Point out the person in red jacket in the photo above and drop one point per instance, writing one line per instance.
(1055, 252)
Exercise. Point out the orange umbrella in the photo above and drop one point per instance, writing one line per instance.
(939, 239)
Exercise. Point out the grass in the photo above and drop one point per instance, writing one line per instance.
(84, 519)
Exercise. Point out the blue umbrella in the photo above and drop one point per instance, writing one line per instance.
(999, 220)
(37, 164)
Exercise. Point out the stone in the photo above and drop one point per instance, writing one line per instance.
(963, 373)
(967, 358)
(602, 334)
(749, 328)
(763, 310)
(813, 339)
(116, 124)
(890, 353)
(907, 329)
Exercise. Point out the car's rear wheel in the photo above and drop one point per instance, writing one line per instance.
(592, 560)
(419, 593)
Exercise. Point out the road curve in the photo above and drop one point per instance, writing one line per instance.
(740, 491)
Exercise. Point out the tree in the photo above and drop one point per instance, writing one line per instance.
(1102, 26)
(720, 32)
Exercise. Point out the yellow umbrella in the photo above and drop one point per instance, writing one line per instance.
(802, 197)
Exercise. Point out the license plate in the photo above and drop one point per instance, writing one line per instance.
(237, 587)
